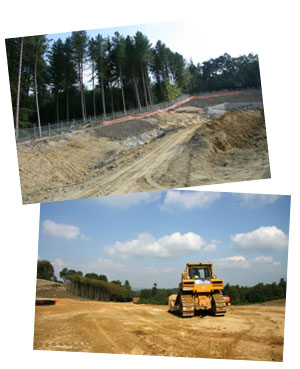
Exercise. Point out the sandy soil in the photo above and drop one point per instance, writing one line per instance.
(126, 157)
(246, 332)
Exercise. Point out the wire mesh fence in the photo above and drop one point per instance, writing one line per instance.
(26, 134)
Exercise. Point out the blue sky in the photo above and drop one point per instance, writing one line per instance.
(149, 237)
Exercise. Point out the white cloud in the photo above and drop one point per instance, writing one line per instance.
(232, 262)
(67, 231)
(168, 246)
(58, 262)
(240, 262)
(266, 260)
(257, 199)
(263, 239)
(131, 199)
(189, 199)
(211, 247)
(84, 237)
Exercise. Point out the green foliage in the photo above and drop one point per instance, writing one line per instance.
(259, 293)
(118, 282)
(128, 73)
(100, 277)
(155, 296)
(98, 290)
(45, 270)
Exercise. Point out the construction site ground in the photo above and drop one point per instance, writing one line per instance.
(252, 332)
(181, 147)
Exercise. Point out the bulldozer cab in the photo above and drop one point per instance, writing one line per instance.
(199, 271)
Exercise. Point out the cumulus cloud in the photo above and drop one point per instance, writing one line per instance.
(58, 262)
(211, 247)
(66, 231)
(232, 262)
(189, 199)
(263, 239)
(168, 246)
(84, 237)
(240, 262)
(131, 199)
(257, 199)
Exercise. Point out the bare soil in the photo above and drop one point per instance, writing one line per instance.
(254, 332)
(167, 150)
(247, 96)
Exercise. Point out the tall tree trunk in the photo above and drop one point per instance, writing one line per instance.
(148, 86)
(166, 79)
(18, 90)
(144, 87)
(57, 108)
(36, 97)
(122, 89)
(81, 92)
(103, 97)
(67, 100)
(112, 100)
(136, 90)
(94, 94)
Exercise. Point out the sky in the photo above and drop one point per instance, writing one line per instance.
(148, 238)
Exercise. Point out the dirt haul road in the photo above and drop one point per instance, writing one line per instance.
(168, 150)
(246, 332)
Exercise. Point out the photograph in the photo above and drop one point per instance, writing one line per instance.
(144, 273)
(131, 109)
(149, 184)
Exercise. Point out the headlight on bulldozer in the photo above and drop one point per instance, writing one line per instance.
(186, 288)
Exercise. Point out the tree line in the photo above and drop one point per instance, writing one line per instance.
(90, 285)
(48, 83)
(259, 293)
(94, 286)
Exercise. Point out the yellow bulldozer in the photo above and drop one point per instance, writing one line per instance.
(199, 289)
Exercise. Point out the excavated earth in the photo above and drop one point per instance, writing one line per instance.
(253, 332)
(170, 149)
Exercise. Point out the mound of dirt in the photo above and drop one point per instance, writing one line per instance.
(121, 131)
(247, 96)
(280, 302)
(236, 129)
(51, 289)
(231, 148)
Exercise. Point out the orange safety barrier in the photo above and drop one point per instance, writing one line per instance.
(142, 115)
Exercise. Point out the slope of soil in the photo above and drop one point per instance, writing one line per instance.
(123, 130)
(246, 332)
(247, 96)
(51, 289)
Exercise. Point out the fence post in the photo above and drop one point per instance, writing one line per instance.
(34, 131)
(49, 129)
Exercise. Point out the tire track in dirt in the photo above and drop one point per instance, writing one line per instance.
(247, 333)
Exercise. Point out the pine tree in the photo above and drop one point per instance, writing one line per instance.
(79, 45)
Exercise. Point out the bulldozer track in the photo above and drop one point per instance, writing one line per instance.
(186, 306)
(219, 305)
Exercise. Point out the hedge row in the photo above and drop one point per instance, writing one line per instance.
(98, 290)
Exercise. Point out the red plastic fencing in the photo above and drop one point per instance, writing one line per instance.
(142, 115)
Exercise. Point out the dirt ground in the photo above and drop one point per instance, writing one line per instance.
(253, 332)
(168, 150)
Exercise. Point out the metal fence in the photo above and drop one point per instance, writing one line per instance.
(26, 134)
